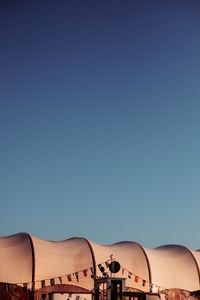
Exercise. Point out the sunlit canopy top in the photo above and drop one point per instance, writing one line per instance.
(25, 258)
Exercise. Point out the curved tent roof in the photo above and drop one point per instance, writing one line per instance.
(25, 258)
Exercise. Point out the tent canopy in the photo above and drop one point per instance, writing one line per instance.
(25, 258)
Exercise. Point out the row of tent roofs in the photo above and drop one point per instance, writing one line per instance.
(26, 260)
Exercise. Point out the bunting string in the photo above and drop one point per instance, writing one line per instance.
(70, 277)
(153, 288)
(89, 273)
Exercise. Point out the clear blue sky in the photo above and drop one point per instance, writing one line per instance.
(100, 120)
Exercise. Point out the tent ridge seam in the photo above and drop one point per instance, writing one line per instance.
(195, 261)
(147, 261)
(33, 260)
(93, 256)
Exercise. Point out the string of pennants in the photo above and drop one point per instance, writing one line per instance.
(66, 278)
(60, 279)
(90, 272)
(137, 279)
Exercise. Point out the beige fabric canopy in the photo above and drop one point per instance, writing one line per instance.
(25, 259)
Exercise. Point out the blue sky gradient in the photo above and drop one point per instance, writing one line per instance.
(99, 120)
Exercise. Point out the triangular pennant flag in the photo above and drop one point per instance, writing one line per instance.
(143, 282)
(136, 279)
(85, 273)
(129, 274)
(43, 283)
(107, 264)
(52, 281)
(60, 279)
(101, 268)
(123, 271)
(69, 277)
(76, 274)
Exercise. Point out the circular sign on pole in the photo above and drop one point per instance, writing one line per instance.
(114, 266)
